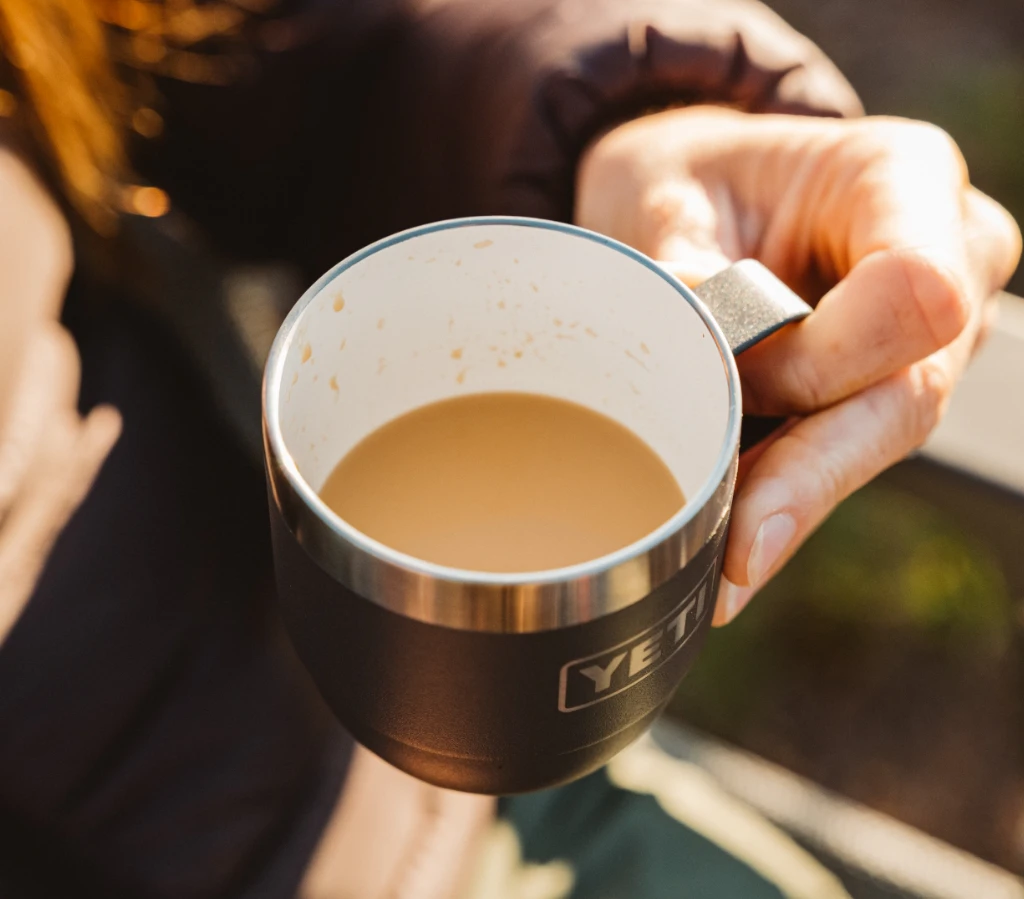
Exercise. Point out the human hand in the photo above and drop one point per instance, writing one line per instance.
(49, 457)
(875, 221)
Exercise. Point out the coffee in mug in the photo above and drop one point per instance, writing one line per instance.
(503, 482)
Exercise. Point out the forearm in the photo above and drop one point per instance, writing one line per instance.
(36, 261)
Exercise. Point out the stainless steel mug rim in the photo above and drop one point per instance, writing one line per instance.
(515, 602)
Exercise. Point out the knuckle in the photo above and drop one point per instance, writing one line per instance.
(926, 145)
(805, 383)
(830, 478)
(1013, 229)
(931, 385)
(929, 142)
(936, 294)
(1016, 246)
(660, 205)
(991, 223)
(833, 482)
(1014, 241)
(937, 142)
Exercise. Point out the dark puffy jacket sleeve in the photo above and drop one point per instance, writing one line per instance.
(484, 106)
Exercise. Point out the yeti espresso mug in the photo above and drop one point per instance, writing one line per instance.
(489, 682)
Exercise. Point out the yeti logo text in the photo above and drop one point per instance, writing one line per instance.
(586, 681)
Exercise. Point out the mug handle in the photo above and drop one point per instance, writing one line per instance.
(749, 303)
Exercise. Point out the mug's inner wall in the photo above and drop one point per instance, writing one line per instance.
(502, 307)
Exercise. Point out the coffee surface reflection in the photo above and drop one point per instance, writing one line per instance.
(503, 482)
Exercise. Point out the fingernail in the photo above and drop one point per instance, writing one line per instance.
(772, 540)
(731, 600)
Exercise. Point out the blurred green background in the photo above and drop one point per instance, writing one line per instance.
(886, 661)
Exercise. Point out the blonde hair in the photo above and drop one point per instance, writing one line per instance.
(78, 105)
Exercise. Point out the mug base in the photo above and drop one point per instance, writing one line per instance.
(495, 777)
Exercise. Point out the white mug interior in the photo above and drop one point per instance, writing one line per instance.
(491, 306)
